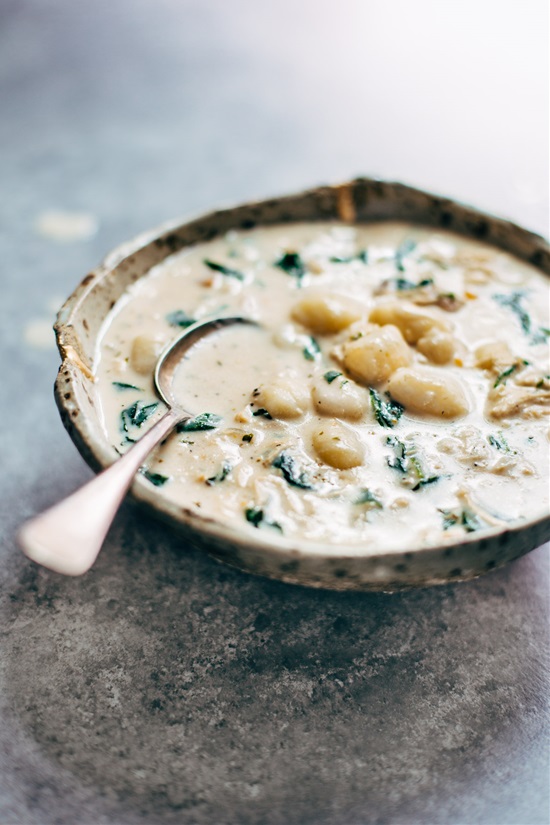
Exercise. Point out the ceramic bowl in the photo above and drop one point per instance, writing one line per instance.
(313, 564)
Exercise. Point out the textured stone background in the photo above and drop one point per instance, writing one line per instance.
(163, 687)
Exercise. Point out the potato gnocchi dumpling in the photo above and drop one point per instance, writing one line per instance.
(427, 393)
(339, 398)
(284, 397)
(395, 392)
(144, 353)
(325, 313)
(338, 445)
(375, 354)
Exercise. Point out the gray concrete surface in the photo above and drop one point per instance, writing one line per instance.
(164, 687)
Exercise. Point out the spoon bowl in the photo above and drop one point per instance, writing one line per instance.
(173, 354)
(68, 537)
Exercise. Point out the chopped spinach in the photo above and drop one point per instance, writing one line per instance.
(221, 476)
(387, 413)
(257, 517)
(136, 414)
(179, 318)
(501, 379)
(366, 496)
(225, 270)
(362, 256)
(471, 521)
(261, 411)
(404, 285)
(499, 442)
(513, 302)
(287, 465)
(254, 515)
(424, 481)
(204, 421)
(407, 462)
(292, 264)
(155, 478)
(120, 385)
(399, 460)
(402, 252)
(311, 349)
(465, 518)
(331, 376)
(450, 519)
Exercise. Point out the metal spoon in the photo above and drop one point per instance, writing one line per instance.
(68, 537)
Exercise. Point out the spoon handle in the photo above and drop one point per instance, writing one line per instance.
(68, 537)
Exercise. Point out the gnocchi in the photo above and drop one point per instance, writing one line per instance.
(427, 393)
(144, 353)
(338, 445)
(375, 354)
(282, 398)
(325, 313)
(339, 398)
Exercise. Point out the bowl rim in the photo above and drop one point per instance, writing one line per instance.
(99, 454)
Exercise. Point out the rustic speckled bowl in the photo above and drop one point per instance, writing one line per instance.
(315, 565)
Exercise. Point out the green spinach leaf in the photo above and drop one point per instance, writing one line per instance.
(155, 478)
(136, 414)
(388, 412)
(292, 264)
(204, 421)
(288, 467)
(179, 318)
(225, 270)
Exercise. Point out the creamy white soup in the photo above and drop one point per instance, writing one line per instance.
(394, 394)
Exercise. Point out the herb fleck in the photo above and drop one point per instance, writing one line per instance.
(248, 437)
(204, 421)
(311, 350)
(225, 270)
(404, 285)
(292, 264)
(362, 256)
(387, 413)
(263, 412)
(179, 318)
(465, 518)
(155, 478)
(499, 442)
(366, 496)
(450, 519)
(399, 460)
(513, 302)
(136, 414)
(471, 521)
(331, 376)
(257, 517)
(221, 476)
(423, 481)
(402, 252)
(407, 462)
(287, 465)
(120, 385)
(505, 374)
